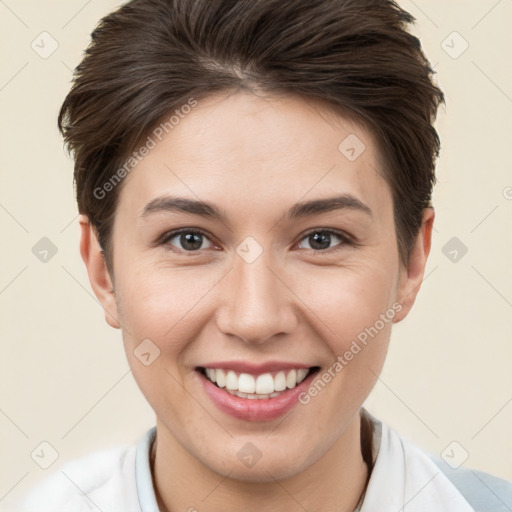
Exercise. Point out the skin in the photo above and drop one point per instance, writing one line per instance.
(255, 158)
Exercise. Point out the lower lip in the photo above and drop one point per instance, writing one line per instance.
(258, 409)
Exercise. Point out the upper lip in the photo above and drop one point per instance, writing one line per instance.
(255, 368)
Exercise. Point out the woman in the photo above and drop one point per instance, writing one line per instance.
(254, 180)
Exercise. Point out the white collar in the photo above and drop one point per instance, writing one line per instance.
(405, 479)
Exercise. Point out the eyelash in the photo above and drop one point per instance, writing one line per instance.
(345, 239)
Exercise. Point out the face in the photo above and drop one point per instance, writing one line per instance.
(269, 277)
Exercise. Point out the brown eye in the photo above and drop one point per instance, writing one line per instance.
(321, 239)
(186, 240)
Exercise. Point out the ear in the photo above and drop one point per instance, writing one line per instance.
(411, 275)
(99, 276)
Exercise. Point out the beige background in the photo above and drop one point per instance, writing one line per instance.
(64, 375)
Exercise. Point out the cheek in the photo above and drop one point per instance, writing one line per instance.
(164, 304)
(347, 301)
(158, 319)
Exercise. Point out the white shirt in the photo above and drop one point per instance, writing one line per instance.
(404, 479)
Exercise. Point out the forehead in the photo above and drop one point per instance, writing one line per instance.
(242, 149)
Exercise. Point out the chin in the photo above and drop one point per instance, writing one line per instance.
(255, 466)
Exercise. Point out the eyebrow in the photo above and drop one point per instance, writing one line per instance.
(299, 210)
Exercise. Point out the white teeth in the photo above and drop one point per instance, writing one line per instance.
(291, 379)
(264, 384)
(231, 380)
(250, 396)
(249, 386)
(301, 375)
(246, 383)
(280, 381)
(220, 378)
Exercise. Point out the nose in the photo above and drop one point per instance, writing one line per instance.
(257, 303)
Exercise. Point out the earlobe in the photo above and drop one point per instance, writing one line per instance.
(99, 277)
(412, 275)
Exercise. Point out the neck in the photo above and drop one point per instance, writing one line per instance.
(335, 482)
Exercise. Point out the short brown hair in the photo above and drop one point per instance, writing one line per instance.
(150, 57)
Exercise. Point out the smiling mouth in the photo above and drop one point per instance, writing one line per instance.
(262, 386)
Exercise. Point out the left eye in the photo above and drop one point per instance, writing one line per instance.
(319, 239)
(190, 240)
